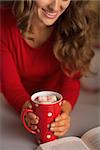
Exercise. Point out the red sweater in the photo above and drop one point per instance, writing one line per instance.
(26, 70)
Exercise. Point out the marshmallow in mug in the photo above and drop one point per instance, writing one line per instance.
(46, 99)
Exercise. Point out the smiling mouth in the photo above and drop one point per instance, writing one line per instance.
(50, 15)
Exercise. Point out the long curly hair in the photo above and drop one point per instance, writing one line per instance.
(74, 39)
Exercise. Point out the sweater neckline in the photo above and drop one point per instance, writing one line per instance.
(43, 46)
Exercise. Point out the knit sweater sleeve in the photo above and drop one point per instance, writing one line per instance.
(11, 85)
(70, 88)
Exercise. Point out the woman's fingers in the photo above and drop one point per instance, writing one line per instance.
(60, 128)
(33, 118)
(27, 104)
(33, 127)
(31, 123)
(61, 117)
(31, 115)
(61, 124)
(61, 120)
(30, 118)
(59, 133)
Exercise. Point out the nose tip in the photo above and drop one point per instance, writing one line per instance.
(54, 6)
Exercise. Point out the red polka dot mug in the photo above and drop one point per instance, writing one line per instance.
(47, 110)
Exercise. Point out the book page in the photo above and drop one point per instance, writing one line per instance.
(66, 143)
(92, 138)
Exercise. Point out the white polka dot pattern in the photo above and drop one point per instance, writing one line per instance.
(49, 114)
(48, 136)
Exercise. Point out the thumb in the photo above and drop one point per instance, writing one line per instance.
(29, 105)
(64, 101)
(66, 107)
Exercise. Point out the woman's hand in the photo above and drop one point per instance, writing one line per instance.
(62, 122)
(30, 118)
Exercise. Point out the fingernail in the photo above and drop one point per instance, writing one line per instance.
(57, 119)
(37, 117)
(52, 125)
(30, 106)
(64, 101)
(37, 121)
(35, 127)
(55, 134)
(52, 129)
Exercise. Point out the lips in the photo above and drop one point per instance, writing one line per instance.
(50, 15)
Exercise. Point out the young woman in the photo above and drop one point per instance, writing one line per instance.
(45, 45)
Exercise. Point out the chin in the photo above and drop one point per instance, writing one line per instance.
(49, 22)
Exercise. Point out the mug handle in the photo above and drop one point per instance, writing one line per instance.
(24, 122)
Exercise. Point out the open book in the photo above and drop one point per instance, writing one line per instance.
(89, 141)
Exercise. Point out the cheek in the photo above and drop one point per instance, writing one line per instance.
(61, 11)
(65, 5)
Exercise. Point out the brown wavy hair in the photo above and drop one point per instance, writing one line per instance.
(74, 29)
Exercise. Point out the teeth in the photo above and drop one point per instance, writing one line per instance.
(50, 15)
